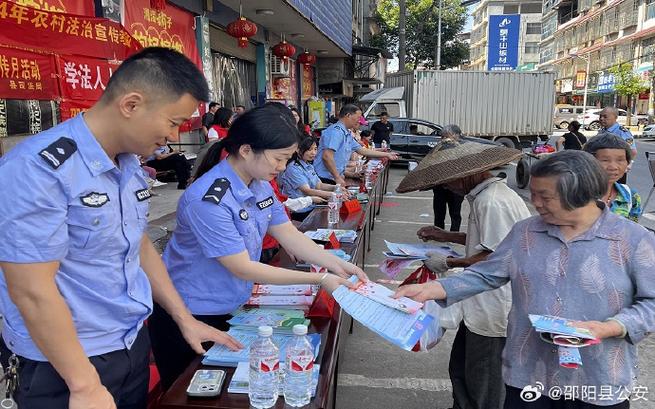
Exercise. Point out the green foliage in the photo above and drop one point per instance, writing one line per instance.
(626, 82)
(421, 31)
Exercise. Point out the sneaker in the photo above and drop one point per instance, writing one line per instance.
(158, 183)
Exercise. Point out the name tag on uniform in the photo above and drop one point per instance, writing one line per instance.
(265, 203)
(143, 194)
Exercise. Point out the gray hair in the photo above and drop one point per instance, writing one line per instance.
(608, 140)
(611, 110)
(451, 130)
(580, 179)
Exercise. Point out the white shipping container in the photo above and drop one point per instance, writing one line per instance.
(482, 103)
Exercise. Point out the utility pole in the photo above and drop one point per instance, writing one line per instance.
(401, 35)
(438, 62)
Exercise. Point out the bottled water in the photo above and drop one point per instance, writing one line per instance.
(367, 181)
(333, 210)
(339, 192)
(264, 382)
(300, 365)
(384, 145)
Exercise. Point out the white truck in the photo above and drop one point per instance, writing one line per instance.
(512, 108)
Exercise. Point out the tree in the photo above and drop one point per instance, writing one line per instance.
(422, 21)
(627, 83)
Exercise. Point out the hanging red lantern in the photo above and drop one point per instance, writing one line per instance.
(242, 29)
(284, 50)
(307, 59)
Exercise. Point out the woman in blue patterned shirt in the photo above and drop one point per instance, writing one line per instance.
(614, 155)
(575, 260)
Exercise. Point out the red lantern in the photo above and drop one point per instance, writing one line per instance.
(307, 59)
(284, 50)
(242, 29)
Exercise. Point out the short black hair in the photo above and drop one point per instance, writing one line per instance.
(348, 109)
(366, 133)
(384, 113)
(213, 104)
(222, 117)
(161, 73)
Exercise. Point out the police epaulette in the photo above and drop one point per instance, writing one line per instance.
(58, 152)
(623, 128)
(217, 190)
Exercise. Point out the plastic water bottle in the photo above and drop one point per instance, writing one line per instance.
(333, 209)
(384, 145)
(264, 381)
(339, 192)
(299, 368)
(367, 181)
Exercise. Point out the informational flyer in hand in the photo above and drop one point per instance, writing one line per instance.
(397, 327)
(559, 331)
(384, 296)
(417, 251)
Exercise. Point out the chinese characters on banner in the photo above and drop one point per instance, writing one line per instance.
(27, 75)
(308, 86)
(67, 33)
(285, 88)
(503, 47)
(84, 78)
(79, 7)
(606, 83)
(580, 79)
(70, 108)
(171, 27)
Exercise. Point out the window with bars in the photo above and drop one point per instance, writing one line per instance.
(648, 50)
(533, 28)
(650, 9)
(527, 8)
(548, 27)
(546, 54)
(510, 9)
(531, 48)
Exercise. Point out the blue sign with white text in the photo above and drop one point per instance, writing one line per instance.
(503, 45)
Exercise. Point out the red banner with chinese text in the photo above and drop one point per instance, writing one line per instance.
(171, 27)
(308, 86)
(79, 7)
(66, 33)
(68, 108)
(27, 75)
(82, 78)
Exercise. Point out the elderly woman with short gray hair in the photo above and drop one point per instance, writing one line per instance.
(614, 155)
(575, 260)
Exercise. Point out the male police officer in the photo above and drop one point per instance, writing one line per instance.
(607, 119)
(79, 273)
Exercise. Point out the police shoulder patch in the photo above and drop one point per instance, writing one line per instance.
(58, 152)
(268, 202)
(216, 191)
(624, 129)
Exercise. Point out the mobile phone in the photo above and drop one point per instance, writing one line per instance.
(206, 383)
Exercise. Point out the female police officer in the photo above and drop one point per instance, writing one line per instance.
(213, 256)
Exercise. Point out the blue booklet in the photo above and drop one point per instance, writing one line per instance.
(219, 355)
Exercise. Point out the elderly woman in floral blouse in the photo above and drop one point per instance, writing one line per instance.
(614, 155)
(576, 260)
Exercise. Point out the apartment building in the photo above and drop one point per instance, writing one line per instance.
(529, 36)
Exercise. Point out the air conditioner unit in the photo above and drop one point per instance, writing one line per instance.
(280, 66)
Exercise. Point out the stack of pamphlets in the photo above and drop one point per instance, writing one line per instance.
(281, 320)
(295, 289)
(416, 251)
(561, 332)
(240, 378)
(220, 355)
(296, 302)
(344, 236)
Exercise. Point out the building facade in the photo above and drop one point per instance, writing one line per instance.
(606, 33)
(529, 36)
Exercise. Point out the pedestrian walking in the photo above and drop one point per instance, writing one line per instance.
(445, 199)
(573, 139)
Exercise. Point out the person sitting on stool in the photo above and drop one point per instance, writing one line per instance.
(166, 158)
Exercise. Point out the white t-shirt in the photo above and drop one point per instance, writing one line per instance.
(212, 134)
(495, 208)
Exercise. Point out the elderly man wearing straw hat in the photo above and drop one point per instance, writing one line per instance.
(463, 168)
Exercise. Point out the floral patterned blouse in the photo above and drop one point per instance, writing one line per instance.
(627, 202)
(607, 272)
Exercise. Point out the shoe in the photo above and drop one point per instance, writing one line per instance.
(157, 183)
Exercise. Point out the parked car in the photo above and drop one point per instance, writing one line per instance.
(592, 119)
(565, 114)
(413, 138)
(649, 131)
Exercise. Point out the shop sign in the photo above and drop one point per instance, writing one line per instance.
(79, 7)
(308, 86)
(593, 82)
(558, 86)
(171, 27)
(606, 83)
(27, 75)
(567, 85)
(503, 48)
(580, 79)
(69, 34)
(84, 78)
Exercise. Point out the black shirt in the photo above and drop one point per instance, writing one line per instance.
(382, 132)
(575, 142)
(207, 120)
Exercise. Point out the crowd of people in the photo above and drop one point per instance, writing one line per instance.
(80, 275)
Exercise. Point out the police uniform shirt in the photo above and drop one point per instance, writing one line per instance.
(297, 174)
(217, 216)
(624, 133)
(337, 138)
(64, 200)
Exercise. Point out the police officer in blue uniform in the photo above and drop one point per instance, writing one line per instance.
(222, 218)
(299, 179)
(337, 144)
(607, 119)
(79, 273)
